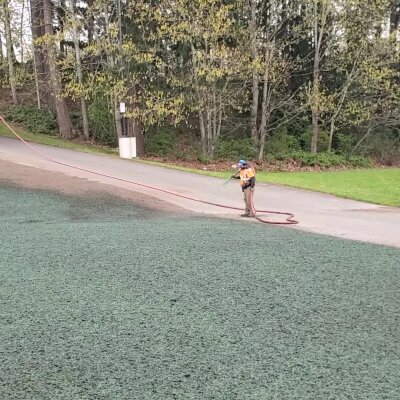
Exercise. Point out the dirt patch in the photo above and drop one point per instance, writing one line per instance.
(34, 178)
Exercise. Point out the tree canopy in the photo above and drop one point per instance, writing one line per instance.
(273, 75)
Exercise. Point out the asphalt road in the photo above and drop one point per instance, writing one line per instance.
(317, 212)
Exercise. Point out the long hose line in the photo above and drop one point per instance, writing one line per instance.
(289, 216)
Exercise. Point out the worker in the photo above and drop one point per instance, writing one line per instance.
(247, 176)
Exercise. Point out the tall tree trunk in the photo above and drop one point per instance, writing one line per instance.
(60, 11)
(265, 106)
(200, 101)
(35, 65)
(209, 127)
(21, 36)
(112, 65)
(90, 21)
(251, 5)
(90, 29)
(79, 73)
(41, 67)
(203, 135)
(9, 46)
(63, 119)
(315, 112)
(394, 17)
(1, 49)
(37, 87)
(136, 129)
(318, 35)
(117, 116)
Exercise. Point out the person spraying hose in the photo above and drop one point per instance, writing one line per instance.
(247, 176)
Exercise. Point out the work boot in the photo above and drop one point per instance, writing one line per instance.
(245, 214)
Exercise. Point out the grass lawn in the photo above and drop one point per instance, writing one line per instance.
(380, 186)
(103, 300)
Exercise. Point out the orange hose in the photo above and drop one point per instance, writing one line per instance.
(289, 216)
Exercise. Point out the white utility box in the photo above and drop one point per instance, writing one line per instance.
(133, 146)
(127, 147)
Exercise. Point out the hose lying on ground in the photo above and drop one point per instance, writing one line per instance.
(289, 216)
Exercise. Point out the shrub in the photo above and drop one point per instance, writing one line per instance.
(345, 142)
(101, 122)
(203, 159)
(323, 160)
(323, 140)
(161, 143)
(360, 161)
(281, 142)
(76, 120)
(383, 145)
(33, 119)
(235, 149)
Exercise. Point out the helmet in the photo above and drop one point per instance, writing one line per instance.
(242, 163)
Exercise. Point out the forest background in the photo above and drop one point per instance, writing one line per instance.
(306, 83)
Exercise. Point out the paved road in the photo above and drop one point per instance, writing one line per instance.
(317, 212)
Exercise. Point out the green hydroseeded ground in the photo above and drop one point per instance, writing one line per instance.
(104, 300)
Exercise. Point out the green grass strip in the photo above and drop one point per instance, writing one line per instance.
(379, 186)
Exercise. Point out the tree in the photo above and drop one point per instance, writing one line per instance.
(321, 11)
(394, 17)
(253, 33)
(376, 102)
(214, 66)
(273, 103)
(75, 36)
(44, 92)
(50, 52)
(1, 49)
(5, 9)
(345, 67)
(206, 66)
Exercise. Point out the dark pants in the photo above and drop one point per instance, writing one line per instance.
(247, 199)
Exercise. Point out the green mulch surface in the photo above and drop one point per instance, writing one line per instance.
(100, 299)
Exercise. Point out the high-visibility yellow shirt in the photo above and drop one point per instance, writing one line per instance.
(246, 175)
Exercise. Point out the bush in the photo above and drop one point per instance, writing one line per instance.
(161, 143)
(101, 122)
(345, 142)
(323, 160)
(33, 119)
(76, 120)
(203, 159)
(384, 146)
(281, 142)
(235, 149)
(323, 140)
(360, 161)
